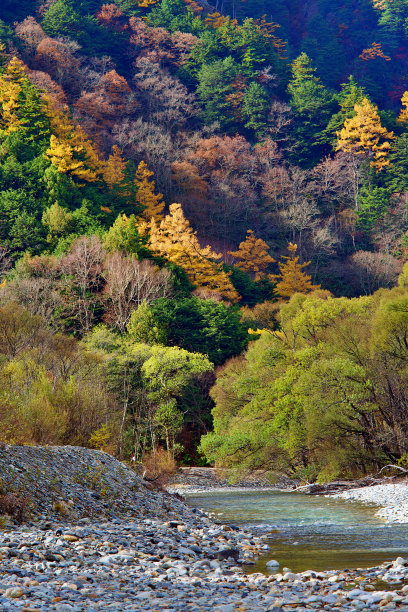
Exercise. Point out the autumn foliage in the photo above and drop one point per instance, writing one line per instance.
(364, 135)
(252, 256)
(175, 239)
(292, 278)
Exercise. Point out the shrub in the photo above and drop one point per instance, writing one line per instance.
(159, 466)
(16, 506)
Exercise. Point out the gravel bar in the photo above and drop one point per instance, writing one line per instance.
(98, 540)
(393, 499)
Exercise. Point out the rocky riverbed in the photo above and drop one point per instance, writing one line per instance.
(97, 539)
(393, 499)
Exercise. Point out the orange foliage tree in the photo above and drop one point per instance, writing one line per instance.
(374, 51)
(253, 256)
(111, 16)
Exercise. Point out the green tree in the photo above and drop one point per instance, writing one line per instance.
(311, 104)
(202, 326)
(144, 327)
(349, 95)
(255, 109)
(124, 236)
(214, 87)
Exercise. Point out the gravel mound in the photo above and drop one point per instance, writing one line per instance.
(75, 482)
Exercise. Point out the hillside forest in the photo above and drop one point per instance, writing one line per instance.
(204, 230)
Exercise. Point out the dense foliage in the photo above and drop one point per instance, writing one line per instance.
(323, 396)
(171, 177)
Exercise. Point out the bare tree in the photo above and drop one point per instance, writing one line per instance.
(128, 283)
(84, 265)
(166, 99)
(374, 270)
(150, 142)
(5, 261)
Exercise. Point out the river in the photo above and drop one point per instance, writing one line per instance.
(309, 532)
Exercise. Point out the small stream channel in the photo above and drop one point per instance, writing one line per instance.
(309, 532)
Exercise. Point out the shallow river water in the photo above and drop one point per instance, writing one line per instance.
(310, 532)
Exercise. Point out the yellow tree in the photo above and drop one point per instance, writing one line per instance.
(152, 202)
(175, 239)
(253, 256)
(65, 158)
(9, 93)
(403, 116)
(292, 279)
(114, 168)
(10, 88)
(74, 137)
(364, 135)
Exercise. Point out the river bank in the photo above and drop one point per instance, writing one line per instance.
(152, 565)
(393, 499)
(190, 480)
(96, 539)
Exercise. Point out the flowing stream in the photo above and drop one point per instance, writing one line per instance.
(309, 532)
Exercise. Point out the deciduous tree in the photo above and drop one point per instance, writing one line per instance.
(253, 256)
(292, 279)
(364, 135)
(175, 239)
(146, 197)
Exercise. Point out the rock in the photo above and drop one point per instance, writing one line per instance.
(400, 561)
(14, 593)
(70, 538)
(52, 557)
(228, 553)
(273, 563)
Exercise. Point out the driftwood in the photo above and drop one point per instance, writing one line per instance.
(397, 467)
(342, 485)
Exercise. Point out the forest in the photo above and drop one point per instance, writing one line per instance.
(203, 230)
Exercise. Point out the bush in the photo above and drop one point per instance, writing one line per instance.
(159, 466)
(14, 505)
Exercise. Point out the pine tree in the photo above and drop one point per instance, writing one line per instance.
(21, 104)
(255, 109)
(350, 95)
(175, 239)
(364, 135)
(311, 104)
(124, 236)
(253, 256)
(153, 203)
(292, 279)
